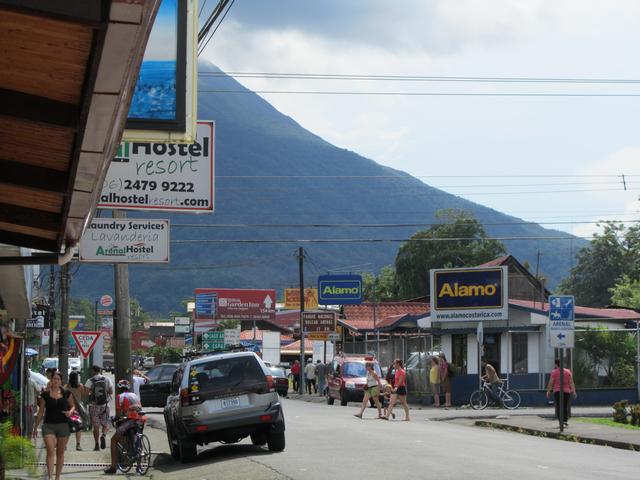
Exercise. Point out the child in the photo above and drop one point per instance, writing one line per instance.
(387, 390)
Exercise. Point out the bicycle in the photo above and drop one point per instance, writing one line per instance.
(510, 399)
(136, 449)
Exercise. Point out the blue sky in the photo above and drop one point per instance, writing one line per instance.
(581, 145)
(161, 45)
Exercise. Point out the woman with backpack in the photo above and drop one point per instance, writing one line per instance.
(77, 391)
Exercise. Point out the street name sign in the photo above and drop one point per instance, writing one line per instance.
(110, 240)
(213, 340)
(561, 321)
(85, 341)
(339, 289)
(165, 177)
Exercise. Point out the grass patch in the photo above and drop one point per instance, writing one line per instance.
(606, 421)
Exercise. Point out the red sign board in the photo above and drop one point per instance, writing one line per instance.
(106, 301)
(240, 304)
(85, 341)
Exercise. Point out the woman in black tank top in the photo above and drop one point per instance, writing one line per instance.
(56, 406)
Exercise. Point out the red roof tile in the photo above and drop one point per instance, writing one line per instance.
(360, 316)
(248, 335)
(496, 262)
(606, 313)
(295, 347)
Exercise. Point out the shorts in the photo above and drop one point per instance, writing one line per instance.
(99, 415)
(124, 426)
(402, 391)
(60, 430)
(373, 391)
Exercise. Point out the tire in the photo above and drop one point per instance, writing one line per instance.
(330, 399)
(511, 400)
(275, 442)
(124, 462)
(479, 400)
(343, 399)
(259, 438)
(143, 462)
(188, 450)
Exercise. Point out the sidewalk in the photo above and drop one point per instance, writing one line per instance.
(529, 420)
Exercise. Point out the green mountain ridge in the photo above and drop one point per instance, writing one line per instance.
(310, 183)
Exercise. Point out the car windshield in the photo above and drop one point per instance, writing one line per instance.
(226, 373)
(154, 373)
(278, 372)
(358, 369)
(50, 363)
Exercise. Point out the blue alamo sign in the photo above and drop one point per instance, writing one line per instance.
(469, 294)
(339, 289)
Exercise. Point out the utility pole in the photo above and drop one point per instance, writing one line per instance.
(52, 307)
(122, 322)
(63, 349)
(301, 271)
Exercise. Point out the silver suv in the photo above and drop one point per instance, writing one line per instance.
(223, 397)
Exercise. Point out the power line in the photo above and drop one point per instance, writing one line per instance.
(428, 176)
(377, 225)
(421, 78)
(203, 39)
(424, 94)
(380, 240)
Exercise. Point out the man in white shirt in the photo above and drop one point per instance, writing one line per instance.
(310, 376)
(139, 378)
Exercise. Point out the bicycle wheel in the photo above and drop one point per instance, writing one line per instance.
(511, 399)
(124, 460)
(479, 400)
(143, 460)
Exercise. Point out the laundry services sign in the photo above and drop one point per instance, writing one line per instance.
(109, 240)
(469, 294)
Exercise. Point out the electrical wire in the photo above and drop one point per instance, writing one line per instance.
(421, 78)
(206, 42)
(407, 176)
(377, 225)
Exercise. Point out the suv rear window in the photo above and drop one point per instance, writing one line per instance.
(234, 372)
(358, 369)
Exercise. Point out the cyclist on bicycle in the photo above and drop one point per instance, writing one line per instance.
(492, 378)
(127, 414)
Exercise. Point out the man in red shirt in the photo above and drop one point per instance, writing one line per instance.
(295, 371)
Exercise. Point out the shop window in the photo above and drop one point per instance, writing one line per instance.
(519, 353)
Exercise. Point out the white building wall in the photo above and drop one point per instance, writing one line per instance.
(505, 353)
(533, 353)
(446, 345)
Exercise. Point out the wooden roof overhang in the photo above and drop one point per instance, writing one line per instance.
(67, 73)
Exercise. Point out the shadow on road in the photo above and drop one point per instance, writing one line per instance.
(208, 455)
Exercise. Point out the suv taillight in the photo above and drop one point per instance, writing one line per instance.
(186, 399)
(271, 386)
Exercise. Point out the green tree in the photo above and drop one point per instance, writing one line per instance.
(467, 246)
(626, 293)
(612, 254)
(610, 352)
(138, 315)
(386, 287)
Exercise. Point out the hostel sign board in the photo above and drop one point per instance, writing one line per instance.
(469, 294)
(237, 304)
(163, 177)
(110, 240)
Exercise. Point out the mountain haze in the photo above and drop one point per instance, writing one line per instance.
(310, 182)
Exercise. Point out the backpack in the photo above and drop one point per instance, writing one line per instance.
(99, 390)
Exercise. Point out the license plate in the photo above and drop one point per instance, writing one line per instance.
(230, 402)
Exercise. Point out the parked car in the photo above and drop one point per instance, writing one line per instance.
(348, 378)
(282, 380)
(107, 362)
(223, 397)
(148, 362)
(155, 393)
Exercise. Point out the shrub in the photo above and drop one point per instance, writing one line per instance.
(635, 415)
(620, 412)
(15, 451)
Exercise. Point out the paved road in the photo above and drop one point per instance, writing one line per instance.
(328, 442)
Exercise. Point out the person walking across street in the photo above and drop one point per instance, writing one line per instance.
(310, 377)
(295, 372)
(445, 379)
(372, 390)
(568, 389)
(100, 390)
(434, 379)
(321, 377)
(56, 406)
(399, 391)
(77, 392)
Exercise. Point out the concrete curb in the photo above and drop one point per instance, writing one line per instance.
(559, 436)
